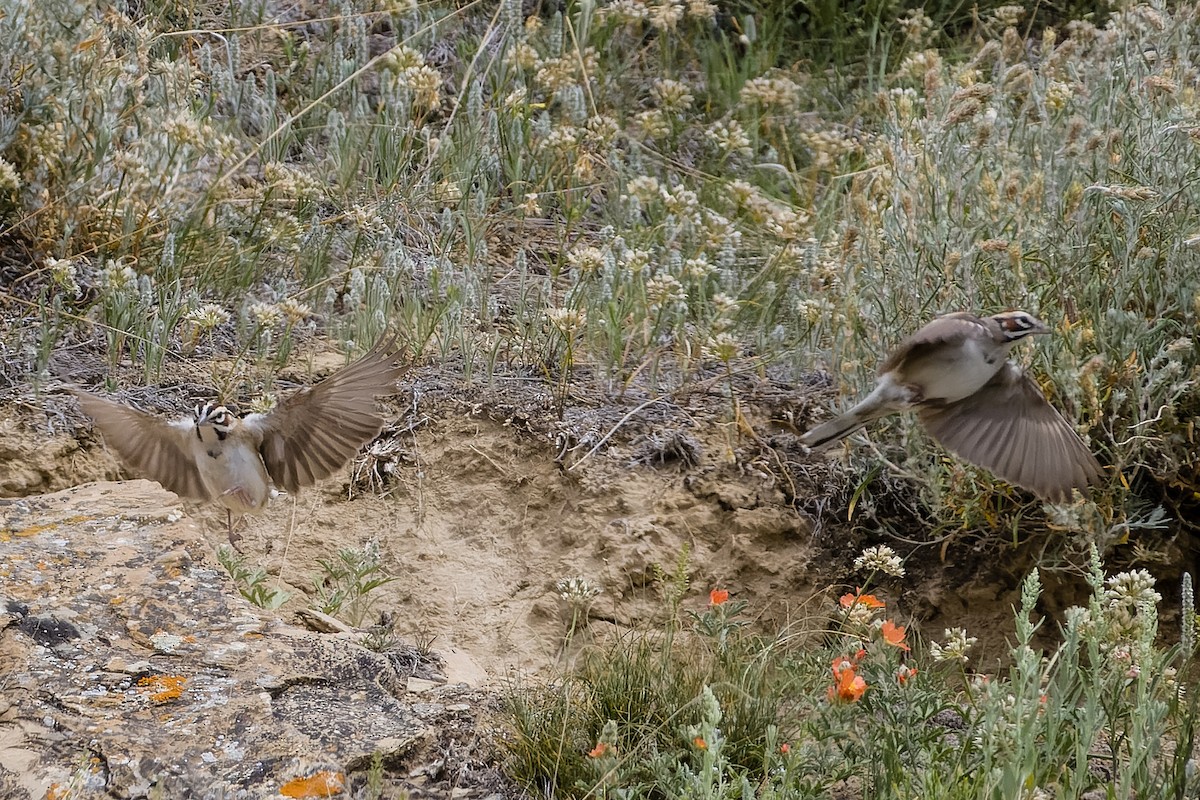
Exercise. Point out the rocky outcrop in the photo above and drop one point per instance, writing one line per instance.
(130, 666)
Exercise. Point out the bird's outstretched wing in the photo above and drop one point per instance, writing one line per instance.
(319, 428)
(157, 448)
(1009, 428)
(936, 336)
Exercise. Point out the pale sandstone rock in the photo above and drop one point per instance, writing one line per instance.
(129, 663)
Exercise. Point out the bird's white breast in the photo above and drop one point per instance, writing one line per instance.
(953, 373)
(232, 470)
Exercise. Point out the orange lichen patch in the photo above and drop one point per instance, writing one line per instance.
(319, 784)
(8, 534)
(56, 791)
(117, 600)
(34, 530)
(163, 688)
(78, 518)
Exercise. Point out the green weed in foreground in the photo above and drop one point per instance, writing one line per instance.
(711, 710)
(346, 586)
(251, 582)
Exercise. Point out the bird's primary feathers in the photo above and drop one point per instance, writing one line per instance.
(214, 456)
(956, 374)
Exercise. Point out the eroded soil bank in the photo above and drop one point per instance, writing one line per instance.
(481, 499)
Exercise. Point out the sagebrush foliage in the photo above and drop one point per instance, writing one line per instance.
(639, 188)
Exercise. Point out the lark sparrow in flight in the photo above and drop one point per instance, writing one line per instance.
(215, 456)
(956, 374)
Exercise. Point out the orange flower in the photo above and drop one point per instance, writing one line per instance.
(700, 743)
(717, 596)
(857, 598)
(848, 687)
(785, 748)
(893, 634)
(852, 690)
(904, 672)
(600, 749)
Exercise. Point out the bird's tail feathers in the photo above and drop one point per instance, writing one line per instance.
(833, 430)
(876, 405)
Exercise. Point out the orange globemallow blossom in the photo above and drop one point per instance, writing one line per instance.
(904, 672)
(847, 686)
(600, 749)
(893, 634)
(717, 596)
(850, 599)
(700, 743)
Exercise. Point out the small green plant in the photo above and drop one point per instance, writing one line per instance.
(347, 584)
(675, 584)
(251, 582)
(599, 728)
(373, 785)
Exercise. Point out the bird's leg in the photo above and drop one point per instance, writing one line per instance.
(242, 497)
(234, 538)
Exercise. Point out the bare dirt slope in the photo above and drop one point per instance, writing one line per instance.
(481, 499)
(478, 520)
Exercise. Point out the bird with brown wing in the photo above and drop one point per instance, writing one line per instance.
(215, 456)
(979, 405)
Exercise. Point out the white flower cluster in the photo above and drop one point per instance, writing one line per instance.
(956, 646)
(880, 559)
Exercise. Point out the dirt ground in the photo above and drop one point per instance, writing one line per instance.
(480, 497)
